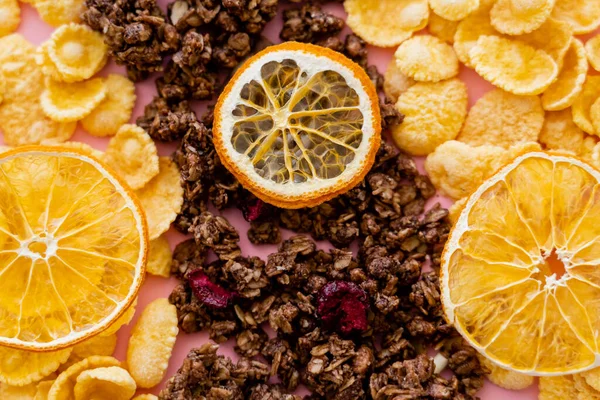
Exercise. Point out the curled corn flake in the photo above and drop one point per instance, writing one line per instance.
(151, 343)
(469, 30)
(45, 63)
(77, 51)
(145, 397)
(583, 104)
(592, 49)
(162, 198)
(133, 155)
(23, 79)
(557, 388)
(562, 93)
(395, 82)
(115, 110)
(96, 346)
(503, 119)
(112, 383)
(595, 115)
(584, 389)
(159, 257)
(442, 28)
(68, 102)
(453, 10)
(592, 377)
(515, 17)
(559, 132)
(513, 65)
(21, 367)
(434, 114)
(43, 388)
(583, 15)
(26, 392)
(59, 12)
(456, 208)
(554, 37)
(505, 378)
(10, 16)
(426, 58)
(386, 23)
(62, 388)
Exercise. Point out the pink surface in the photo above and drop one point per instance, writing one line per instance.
(37, 31)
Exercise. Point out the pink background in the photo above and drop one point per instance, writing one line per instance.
(154, 287)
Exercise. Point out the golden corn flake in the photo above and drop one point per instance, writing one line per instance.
(112, 383)
(159, 257)
(592, 377)
(23, 79)
(115, 110)
(395, 82)
(151, 343)
(515, 17)
(557, 388)
(77, 51)
(21, 367)
(513, 65)
(592, 49)
(595, 115)
(43, 388)
(504, 378)
(562, 93)
(453, 10)
(67, 102)
(583, 104)
(456, 208)
(434, 114)
(45, 63)
(583, 15)
(10, 16)
(503, 119)
(442, 28)
(2, 87)
(584, 389)
(133, 155)
(470, 29)
(123, 320)
(26, 392)
(145, 397)
(554, 37)
(63, 386)
(559, 132)
(99, 345)
(426, 58)
(386, 23)
(162, 198)
(59, 12)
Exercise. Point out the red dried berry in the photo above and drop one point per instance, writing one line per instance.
(342, 306)
(255, 209)
(210, 293)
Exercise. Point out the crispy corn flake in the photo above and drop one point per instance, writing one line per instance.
(559, 132)
(505, 378)
(434, 114)
(554, 37)
(592, 49)
(592, 377)
(22, 77)
(583, 104)
(133, 155)
(2, 88)
(43, 388)
(453, 10)
(562, 93)
(395, 82)
(99, 345)
(43, 60)
(595, 115)
(583, 15)
(557, 388)
(469, 30)
(386, 23)
(151, 343)
(26, 392)
(456, 208)
(59, 12)
(115, 110)
(68, 102)
(10, 16)
(516, 17)
(21, 367)
(162, 198)
(77, 51)
(159, 257)
(62, 388)
(503, 119)
(123, 320)
(112, 383)
(584, 389)
(426, 58)
(78, 146)
(513, 65)
(145, 397)
(442, 28)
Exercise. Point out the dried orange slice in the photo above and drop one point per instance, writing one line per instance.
(73, 244)
(298, 124)
(520, 276)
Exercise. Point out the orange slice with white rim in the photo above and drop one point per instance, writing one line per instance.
(520, 273)
(73, 245)
(298, 124)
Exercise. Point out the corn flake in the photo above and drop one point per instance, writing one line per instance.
(563, 92)
(557, 388)
(426, 58)
(595, 115)
(505, 378)
(112, 383)
(86, 148)
(2, 88)
(559, 132)
(151, 343)
(554, 37)
(386, 23)
(145, 397)
(59, 12)
(43, 60)
(162, 198)
(583, 104)
(456, 208)
(395, 82)
(10, 16)
(63, 386)
(100, 345)
(585, 390)
(43, 388)
(21, 367)
(159, 257)
(453, 10)
(133, 155)
(515, 17)
(115, 110)
(77, 51)
(583, 15)
(434, 114)
(469, 30)
(26, 392)
(503, 119)
(592, 377)
(68, 102)
(23, 79)
(592, 49)
(124, 319)
(513, 65)
(442, 28)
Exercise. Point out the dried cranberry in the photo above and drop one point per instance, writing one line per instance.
(210, 293)
(342, 306)
(255, 209)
